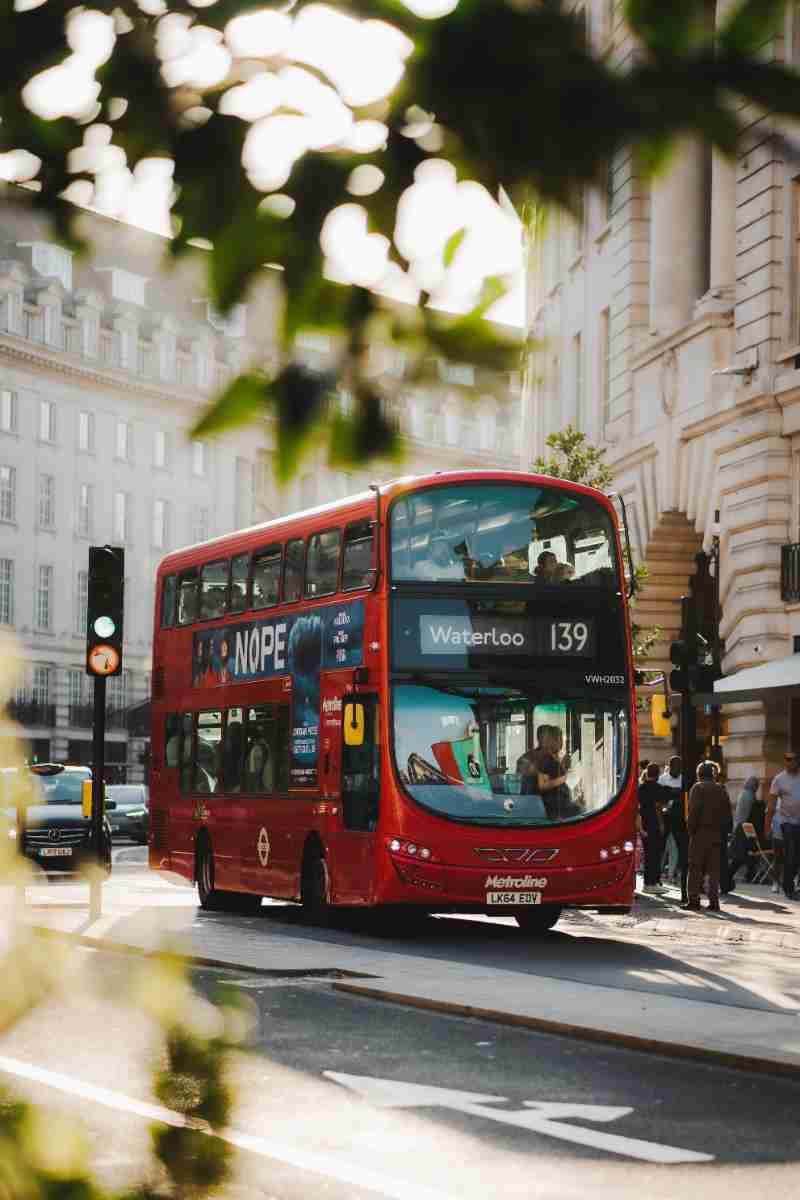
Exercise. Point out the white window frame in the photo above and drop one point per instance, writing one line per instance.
(122, 517)
(48, 425)
(200, 524)
(6, 591)
(84, 515)
(9, 410)
(40, 684)
(160, 524)
(43, 615)
(160, 449)
(199, 459)
(47, 501)
(124, 440)
(81, 602)
(86, 431)
(8, 493)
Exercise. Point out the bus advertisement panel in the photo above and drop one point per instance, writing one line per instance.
(441, 697)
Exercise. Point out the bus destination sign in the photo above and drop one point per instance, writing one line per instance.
(539, 636)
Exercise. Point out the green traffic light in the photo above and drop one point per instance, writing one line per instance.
(104, 627)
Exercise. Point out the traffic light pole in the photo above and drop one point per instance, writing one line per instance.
(98, 794)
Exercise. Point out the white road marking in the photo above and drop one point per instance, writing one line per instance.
(321, 1164)
(538, 1117)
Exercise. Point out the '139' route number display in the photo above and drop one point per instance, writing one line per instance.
(568, 637)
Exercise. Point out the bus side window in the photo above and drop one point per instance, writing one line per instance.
(233, 752)
(188, 596)
(260, 751)
(214, 589)
(185, 747)
(293, 571)
(357, 557)
(168, 594)
(240, 566)
(172, 741)
(208, 757)
(267, 577)
(322, 563)
(282, 773)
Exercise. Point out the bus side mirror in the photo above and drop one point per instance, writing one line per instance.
(353, 724)
(86, 797)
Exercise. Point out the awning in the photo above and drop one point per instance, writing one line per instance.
(772, 679)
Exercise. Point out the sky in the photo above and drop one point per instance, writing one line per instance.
(289, 110)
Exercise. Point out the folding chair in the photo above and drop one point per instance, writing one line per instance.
(765, 859)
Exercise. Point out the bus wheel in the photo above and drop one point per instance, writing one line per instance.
(315, 888)
(209, 898)
(537, 921)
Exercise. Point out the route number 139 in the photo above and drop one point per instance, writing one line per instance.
(568, 637)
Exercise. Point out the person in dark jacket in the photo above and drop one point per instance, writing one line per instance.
(709, 813)
(653, 799)
(676, 823)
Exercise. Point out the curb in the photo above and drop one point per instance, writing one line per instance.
(627, 1041)
(195, 960)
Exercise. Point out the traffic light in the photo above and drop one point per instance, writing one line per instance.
(105, 610)
(682, 656)
(702, 677)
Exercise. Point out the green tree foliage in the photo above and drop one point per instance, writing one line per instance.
(508, 91)
(572, 456)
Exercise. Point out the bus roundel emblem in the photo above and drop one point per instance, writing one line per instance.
(263, 846)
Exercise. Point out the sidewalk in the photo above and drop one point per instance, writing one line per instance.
(597, 978)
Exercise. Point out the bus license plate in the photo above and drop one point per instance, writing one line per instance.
(55, 851)
(513, 897)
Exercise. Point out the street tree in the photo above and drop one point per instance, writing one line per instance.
(388, 126)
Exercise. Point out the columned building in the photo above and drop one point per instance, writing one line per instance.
(106, 363)
(669, 326)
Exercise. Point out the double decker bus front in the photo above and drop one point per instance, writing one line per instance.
(511, 698)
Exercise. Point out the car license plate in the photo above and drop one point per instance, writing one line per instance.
(513, 897)
(55, 851)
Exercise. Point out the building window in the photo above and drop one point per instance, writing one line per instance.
(8, 411)
(81, 602)
(609, 192)
(124, 440)
(44, 598)
(90, 336)
(85, 510)
(11, 308)
(199, 458)
(200, 525)
(40, 691)
(159, 448)
(8, 493)
(159, 524)
(48, 259)
(577, 368)
(6, 591)
(47, 421)
(47, 501)
(605, 365)
(122, 516)
(86, 431)
(125, 347)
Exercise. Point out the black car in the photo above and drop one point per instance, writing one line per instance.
(55, 834)
(131, 814)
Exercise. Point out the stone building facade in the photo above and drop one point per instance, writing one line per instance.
(105, 364)
(670, 325)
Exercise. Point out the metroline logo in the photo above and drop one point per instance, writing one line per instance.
(516, 881)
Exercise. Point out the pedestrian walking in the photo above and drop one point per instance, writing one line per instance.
(652, 802)
(786, 788)
(671, 779)
(676, 823)
(709, 809)
(739, 854)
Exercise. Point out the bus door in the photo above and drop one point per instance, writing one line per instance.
(351, 830)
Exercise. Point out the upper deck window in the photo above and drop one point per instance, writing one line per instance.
(267, 577)
(188, 596)
(293, 571)
(240, 567)
(358, 555)
(322, 567)
(168, 594)
(214, 589)
(502, 533)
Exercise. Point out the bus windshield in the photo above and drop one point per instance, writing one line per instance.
(502, 533)
(502, 757)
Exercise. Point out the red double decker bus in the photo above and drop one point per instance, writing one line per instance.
(420, 696)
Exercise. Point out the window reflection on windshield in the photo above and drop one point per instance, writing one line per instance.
(498, 757)
(502, 534)
(62, 789)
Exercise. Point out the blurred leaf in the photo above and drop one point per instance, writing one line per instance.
(242, 401)
(750, 24)
(298, 397)
(363, 434)
(672, 26)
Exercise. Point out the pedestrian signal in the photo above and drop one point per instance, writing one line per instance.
(104, 610)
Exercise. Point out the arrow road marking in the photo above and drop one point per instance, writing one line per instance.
(537, 1116)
